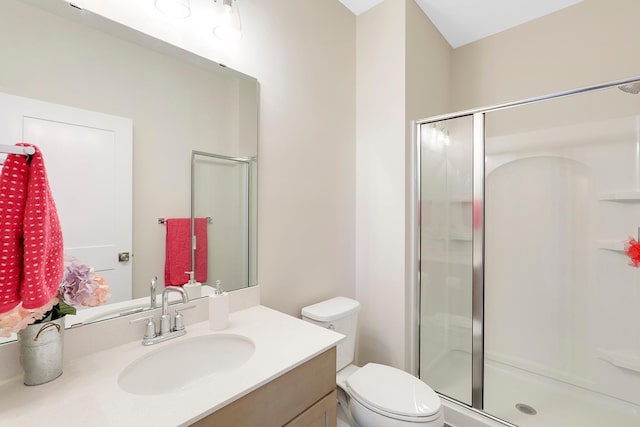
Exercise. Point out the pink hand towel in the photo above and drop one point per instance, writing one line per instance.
(178, 251)
(31, 248)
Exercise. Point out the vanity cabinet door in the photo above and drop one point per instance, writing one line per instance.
(302, 397)
(322, 414)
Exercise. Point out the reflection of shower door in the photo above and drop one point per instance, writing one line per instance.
(221, 191)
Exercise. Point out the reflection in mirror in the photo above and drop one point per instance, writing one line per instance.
(175, 102)
(222, 193)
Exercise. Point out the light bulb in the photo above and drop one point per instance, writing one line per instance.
(229, 27)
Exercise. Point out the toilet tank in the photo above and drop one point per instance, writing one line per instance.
(339, 314)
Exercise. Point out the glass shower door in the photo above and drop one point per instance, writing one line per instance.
(528, 295)
(446, 223)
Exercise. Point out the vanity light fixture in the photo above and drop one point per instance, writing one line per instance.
(228, 25)
(174, 8)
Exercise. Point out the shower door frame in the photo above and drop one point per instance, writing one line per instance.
(478, 165)
(245, 161)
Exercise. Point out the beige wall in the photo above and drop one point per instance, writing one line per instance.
(428, 66)
(380, 157)
(592, 42)
(303, 54)
(403, 67)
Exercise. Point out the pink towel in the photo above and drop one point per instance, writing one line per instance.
(31, 249)
(178, 251)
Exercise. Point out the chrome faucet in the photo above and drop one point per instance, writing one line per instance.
(152, 292)
(166, 332)
(165, 319)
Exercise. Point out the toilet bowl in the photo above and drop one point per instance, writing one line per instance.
(384, 396)
(374, 395)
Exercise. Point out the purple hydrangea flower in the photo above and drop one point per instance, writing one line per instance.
(77, 284)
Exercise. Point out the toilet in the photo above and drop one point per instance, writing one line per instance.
(374, 395)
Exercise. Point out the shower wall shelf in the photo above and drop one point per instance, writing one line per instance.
(611, 245)
(621, 360)
(620, 196)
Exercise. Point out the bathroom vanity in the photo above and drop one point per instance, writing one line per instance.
(305, 396)
(289, 379)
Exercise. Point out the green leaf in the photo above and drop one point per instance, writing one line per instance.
(62, 309)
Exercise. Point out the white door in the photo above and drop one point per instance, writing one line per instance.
(88, 157)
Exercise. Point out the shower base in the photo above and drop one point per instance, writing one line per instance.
(555, 403)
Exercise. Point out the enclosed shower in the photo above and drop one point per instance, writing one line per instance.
(528, 291)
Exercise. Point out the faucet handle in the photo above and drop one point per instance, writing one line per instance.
(150, 332)
(180, 318)
(152, 291)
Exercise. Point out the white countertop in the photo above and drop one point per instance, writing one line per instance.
(87, 393)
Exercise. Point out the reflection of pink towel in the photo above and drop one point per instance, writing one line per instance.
(31, 263)
(178, 251)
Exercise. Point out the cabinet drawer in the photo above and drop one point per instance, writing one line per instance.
(322, 414)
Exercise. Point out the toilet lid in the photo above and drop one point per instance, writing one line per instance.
(392, 390)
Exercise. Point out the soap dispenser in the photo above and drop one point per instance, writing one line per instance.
(218, 308)
(192, 288)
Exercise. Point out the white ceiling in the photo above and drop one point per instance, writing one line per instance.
(465, 21)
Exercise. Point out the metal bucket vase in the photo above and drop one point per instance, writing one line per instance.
(41, 349)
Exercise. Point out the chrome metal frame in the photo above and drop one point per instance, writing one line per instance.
(477, 281)
(497, 107)
(479, 412)
(414, 260)
(414, 266)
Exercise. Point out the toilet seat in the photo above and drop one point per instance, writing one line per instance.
(393, 393)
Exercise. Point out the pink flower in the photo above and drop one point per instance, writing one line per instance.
(632, 249)
(101, 293)
(80, 286)
(18, 318)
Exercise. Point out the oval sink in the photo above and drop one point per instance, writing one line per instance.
(179, 364)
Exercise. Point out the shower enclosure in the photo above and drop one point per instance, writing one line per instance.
(223, 190)
(529, 309)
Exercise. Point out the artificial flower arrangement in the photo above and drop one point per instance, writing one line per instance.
(80, 286)
(632, 249)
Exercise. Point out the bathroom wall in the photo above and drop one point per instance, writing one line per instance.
(591, 42)
(303, 55)
(380, 198)
(402, 69)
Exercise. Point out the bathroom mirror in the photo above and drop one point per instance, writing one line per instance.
(176, 102)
